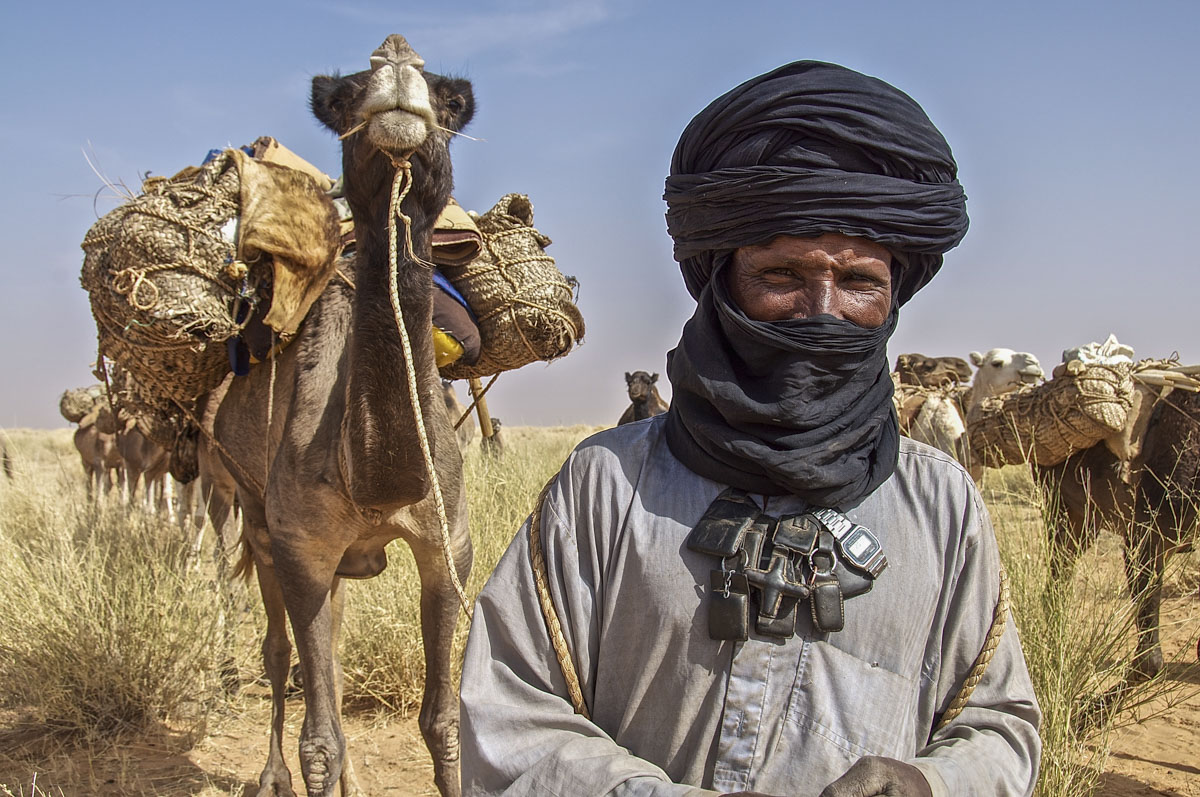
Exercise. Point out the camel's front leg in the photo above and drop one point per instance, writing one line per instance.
(308, 593)
(276, 779)
(349, 780)
(440, 609)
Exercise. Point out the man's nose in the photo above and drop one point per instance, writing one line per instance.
(823, 300)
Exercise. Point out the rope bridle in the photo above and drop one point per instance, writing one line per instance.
(401, 184)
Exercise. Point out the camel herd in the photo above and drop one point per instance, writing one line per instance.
(1143, 484)
(348, 441)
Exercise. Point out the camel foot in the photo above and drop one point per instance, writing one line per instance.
(275, 783)
(1146, 665)
(322, 768)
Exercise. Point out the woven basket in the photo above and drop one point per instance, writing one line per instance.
(177, 271)
(1045, 424)
(76, 404)
(163, 279)
(524, 305)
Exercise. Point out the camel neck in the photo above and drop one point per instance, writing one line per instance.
(384, 464)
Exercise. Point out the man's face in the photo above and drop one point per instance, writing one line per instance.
(847, 278)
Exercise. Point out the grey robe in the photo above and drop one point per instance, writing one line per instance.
(677, 713)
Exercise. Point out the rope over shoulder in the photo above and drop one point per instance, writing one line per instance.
(558, 641)
(990, 643)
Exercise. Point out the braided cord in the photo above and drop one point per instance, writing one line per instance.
(558, 641)
(990, 642)
(400, 186)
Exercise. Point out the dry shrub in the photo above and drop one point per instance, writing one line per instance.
(381, 650)
(107, 627)
(1078, 636)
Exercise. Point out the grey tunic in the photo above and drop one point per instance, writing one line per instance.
(677, 713)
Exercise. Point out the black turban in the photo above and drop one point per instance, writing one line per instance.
(812, 148)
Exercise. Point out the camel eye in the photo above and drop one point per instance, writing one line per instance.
(455, 105)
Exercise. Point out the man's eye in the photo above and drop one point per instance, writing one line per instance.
(863, 280)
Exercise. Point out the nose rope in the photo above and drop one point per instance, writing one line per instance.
(400, 187)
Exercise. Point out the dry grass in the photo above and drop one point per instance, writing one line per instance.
(109, 628)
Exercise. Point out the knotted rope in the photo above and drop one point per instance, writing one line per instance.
(400, 187)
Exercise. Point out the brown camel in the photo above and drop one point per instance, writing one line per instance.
(923, 371)
(643, 397)
(145, 463)
(102, 462)
(1154, 509)
(335, 468)
(493, 446)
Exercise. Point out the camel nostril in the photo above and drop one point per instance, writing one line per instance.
(396, 51)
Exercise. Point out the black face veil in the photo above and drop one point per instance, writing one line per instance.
(801, 407)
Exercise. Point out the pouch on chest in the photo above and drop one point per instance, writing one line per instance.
(772, 567)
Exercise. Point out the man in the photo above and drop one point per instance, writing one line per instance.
(767, 590)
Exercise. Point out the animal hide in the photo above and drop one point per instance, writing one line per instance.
(287, 217)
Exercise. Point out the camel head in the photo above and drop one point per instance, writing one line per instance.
(917, 369)
(1003, 370)
(391, 112)
(640, 384)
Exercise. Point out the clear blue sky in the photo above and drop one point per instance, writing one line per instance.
(1075, 126)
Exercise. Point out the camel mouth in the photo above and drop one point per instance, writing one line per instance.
(397, 130)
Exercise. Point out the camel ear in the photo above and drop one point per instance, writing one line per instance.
(977, 358)
(628, 377)
(332, 101)
(653, 378)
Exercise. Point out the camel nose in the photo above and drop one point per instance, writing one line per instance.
(397, 52)
(397, 84)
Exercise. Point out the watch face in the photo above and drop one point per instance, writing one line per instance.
(861, 549)
(859, 545)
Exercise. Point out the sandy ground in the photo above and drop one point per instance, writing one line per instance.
(1160, 756)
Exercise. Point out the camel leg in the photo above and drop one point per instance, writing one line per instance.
(307, 591)
(276, 779)
(1145, 559)
(349, 781)
(218, 509)
(440, 608)
(92, 484)
(1073, 533)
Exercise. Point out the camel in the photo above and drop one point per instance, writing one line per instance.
(940, 418)
(493, 446)
(102, 463)
(465, 432)
(1000, 371)
(643, 397)
(145, 462)
(1150, 499)
(931, 372)
(336, 466)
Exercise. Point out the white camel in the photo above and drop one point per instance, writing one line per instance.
(941, 420)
